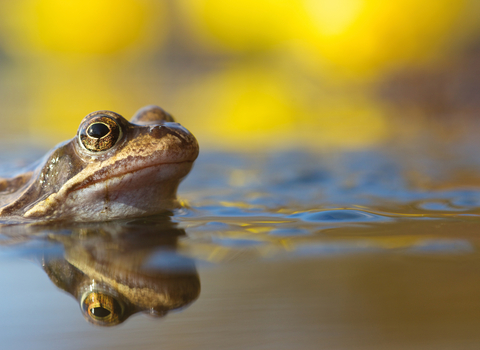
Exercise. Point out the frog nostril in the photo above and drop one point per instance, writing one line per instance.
(158, 131)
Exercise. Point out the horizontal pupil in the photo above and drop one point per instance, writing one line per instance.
(98, 130)
(100, 312)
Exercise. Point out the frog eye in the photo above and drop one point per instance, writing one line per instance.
(102, 309)
(99, 133)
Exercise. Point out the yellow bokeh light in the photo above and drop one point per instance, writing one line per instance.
(82, 26)
(333, 17)
(239, 108)
(355, 36)
(380, 34)
(240, 25)
(253, 108)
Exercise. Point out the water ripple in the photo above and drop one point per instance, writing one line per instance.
(338, 216)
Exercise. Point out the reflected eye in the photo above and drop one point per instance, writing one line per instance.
(99, 133)
(102, 309)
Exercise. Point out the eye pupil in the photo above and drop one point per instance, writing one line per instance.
(98, 130)
(100, 312)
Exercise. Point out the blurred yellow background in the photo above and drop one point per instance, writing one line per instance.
(244, 75)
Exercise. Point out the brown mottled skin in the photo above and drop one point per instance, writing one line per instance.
(111, 263)
(138, 175)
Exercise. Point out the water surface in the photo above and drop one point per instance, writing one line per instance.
(346, 250)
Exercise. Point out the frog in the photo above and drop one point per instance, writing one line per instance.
(113, 168)
(120, 268)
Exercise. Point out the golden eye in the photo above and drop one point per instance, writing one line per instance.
(102, 309)
(99, 133)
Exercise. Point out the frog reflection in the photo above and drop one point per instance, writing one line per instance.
(116, 270)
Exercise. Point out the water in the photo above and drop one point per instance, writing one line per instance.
(374, 249)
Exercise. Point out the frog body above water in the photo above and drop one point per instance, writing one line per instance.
(112, 169)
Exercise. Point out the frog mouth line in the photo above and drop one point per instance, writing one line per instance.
(91, 183)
